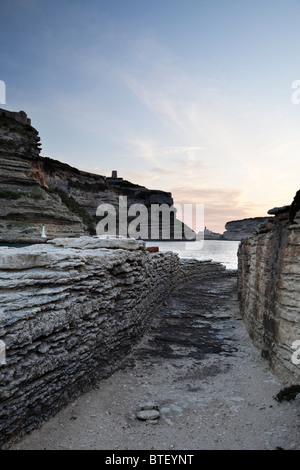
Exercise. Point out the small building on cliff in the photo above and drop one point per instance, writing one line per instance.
(20, 116)
(114, 177)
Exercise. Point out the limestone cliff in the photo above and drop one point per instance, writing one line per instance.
(238, 229)
(36, 190)
(27, 201)
(269, 290)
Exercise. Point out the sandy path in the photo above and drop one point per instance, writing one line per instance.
(198, 365)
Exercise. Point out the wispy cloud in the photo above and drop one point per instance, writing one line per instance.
(233, 152)
(182, 130)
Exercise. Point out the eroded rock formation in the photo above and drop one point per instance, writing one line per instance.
(70, 311)
(269, 290)
(238, 229)
(26, 201)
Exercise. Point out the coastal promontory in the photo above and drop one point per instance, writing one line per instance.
(37, 191)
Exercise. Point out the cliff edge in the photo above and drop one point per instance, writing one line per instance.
(269, 290)
(238, 229)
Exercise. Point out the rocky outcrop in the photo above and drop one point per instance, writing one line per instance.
(26, 202)
(269, 290)
(209, 235)
(70, 311)
(238, 229)
(36, 191)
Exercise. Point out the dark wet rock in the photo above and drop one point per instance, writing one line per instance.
(193, 324)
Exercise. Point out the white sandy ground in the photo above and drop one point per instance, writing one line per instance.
(222, 402)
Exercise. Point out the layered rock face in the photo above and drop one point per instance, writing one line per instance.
(25, 202)
(70, 310)
(238, 229)
(269, 291)
(36, 191)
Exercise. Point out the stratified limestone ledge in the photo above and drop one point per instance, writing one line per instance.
(269, 293)
(70, 310)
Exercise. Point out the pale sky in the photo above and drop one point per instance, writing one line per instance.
(192, 97)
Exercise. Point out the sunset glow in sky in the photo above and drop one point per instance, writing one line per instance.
(192, 97)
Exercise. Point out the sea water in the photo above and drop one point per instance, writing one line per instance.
(223, 251)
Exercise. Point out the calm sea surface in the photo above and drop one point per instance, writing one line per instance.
(217, 250)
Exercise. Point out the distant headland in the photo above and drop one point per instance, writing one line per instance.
(236, 230)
